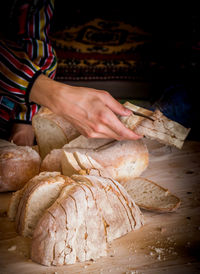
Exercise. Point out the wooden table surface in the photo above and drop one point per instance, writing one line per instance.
(168, 242)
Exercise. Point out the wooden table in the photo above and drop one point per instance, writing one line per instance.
(168, 242)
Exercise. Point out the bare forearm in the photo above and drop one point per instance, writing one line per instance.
(93, 112)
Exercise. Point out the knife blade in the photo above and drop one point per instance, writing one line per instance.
(142, 115)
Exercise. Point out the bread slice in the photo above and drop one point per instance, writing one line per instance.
(151, 196)
(36, 198)
(76, 227)
(18, 164)
(52, 131)
(69, 164)
(52, 161)
(133, 121)
(82, 160)
(88, 164)
(16, 196)
(158, 127)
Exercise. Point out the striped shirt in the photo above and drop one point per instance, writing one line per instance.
(25, 53)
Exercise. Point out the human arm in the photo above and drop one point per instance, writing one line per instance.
(25, 54)
(93, 112)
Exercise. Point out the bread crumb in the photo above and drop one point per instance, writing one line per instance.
(163, 229)
(12, 248)
(159, 250)
(132, 272)
(159, 258)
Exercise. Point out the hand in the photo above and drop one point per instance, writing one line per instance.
(93, 112)
(22, 135)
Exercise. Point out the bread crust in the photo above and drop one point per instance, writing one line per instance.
(44, 123)
(153, 197)
(158, 127)
(18, 164)
(87, 215)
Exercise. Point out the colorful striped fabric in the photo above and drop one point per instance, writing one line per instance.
(24, 58)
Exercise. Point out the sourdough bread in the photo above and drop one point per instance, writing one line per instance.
(18, 164)
(151, 196)
(122, 160)
(16, 196)
(52, 131)
(159, 128)
(85, 217)
(80, 163)
(36, 199)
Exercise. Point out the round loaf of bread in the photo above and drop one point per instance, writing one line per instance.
(18, 164)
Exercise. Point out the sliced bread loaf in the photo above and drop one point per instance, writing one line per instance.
(122, 160)
(84, 218)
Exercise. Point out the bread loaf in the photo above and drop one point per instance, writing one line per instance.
(159, 127)
(151, 196)
(83, 219)
(120, 160)
(52, 161)
(18, 164)
(52, 131)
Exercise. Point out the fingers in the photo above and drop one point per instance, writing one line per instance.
(22, 135)
(103, 124)
(114, 105)
(116, 127)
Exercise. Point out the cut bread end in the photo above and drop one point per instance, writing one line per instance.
(150, 196)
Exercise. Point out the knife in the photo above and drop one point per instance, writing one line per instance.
(142, 115)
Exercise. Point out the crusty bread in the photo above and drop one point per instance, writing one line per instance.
(85, 217)
(83, 142)
(151, 196)
(160, 128)
(18, 164)
(122, 160)
(112, 187)
(52, 131)
(69, 164)
(52, 161)
(80, 163)
(16, 196)
(42, 191)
